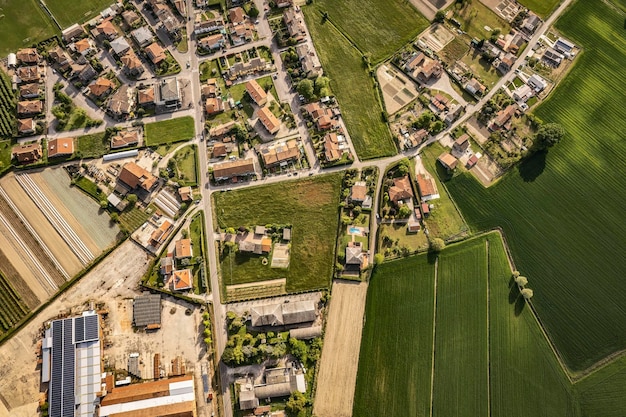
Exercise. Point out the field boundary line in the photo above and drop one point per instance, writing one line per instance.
(432, 360)
(487, 255)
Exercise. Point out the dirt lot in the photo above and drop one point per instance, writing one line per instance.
(429, 7)
(115, 278)
(398, 90)
(340, 355)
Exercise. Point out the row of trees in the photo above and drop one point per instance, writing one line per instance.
(521, 282)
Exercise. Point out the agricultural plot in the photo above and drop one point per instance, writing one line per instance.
(169, 131)
(542, 7)
(354, 88)
(12, 308)
(22, 24)
(570, 242)
(7, 108)
(70, 12)
(309, 205)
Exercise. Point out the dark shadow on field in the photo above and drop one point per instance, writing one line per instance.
(514, 293)
(520, 303)
(530, 168)
(431, 257)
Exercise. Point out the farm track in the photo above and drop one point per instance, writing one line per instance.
(18, 283)
(57, 221)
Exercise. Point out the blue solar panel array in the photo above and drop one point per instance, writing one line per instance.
(85, 329)
(62, 376)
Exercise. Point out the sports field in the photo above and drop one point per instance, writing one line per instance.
(353, 87)
(310, 205)
(70, 12)
(563, 212)
(169, 131)
(500, 367)
(22, 24)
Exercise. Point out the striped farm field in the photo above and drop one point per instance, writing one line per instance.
(461, 358)
(12, 307)
(563, 212)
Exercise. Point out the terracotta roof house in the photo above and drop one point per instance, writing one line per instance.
(83, 46)
(60, 147)
(219, 150)
(28, 74)
(236, 15)
(130, 17)
(145, 97)
(241, 34)
(222, 129)
(506, 63)
(295, 25)
(503, 117)
(447, 160)
(161, 234)
(101, 87)
(214, 105)
(284, 3)
(427, 187)
(122, 102)
(358, 192)
(27, 56)
(280, 154)
(27, 154)
(182, 280)
(136, 177)
(331, 147)
(462, 144)
(313, 109)
(183, 249)
(212, 42)
(325, 122)
(29, 90)
(29, 107)
(268, 120)
(471, 161)
(72, 32)
(125, 138)
(209, 89)
(58, 55)
(132, 64)
(257, 93)
(230, 169)
(26, 126)
(155, 53)
(400, 190)
(106, 30)
(185, 193)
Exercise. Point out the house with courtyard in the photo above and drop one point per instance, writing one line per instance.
(422, 68)
(400, 190)
(427, 187)
(27, 154)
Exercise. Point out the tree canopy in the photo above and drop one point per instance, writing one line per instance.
(437, 244)
(549, 135)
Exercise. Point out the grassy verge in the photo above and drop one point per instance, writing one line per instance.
(5, 154)
(169, 131)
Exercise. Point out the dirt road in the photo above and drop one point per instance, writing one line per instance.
(340, 355)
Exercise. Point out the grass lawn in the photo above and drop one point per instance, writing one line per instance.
(353, 87)
(131, 219)
(378, 27)
(541, 7)
(5, 154)
(70, 12)
(185, 159)
(90, 188)
(93, 146)
(22, 25)
(169, 131)
(399, 233)
(206, 70)
(563, 212)
(77, 119)
(197, 235)
(309, 205)
(475, 16)
(481, 68)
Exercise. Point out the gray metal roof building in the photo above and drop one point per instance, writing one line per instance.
(147, 310)
(283, 314)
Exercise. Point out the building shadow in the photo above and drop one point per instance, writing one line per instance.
(532, 167)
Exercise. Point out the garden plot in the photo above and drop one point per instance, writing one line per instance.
(280, 256)
(398, 90)
(436, 37)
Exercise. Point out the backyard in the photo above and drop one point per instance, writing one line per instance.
(185, 164)
(169, 131)
(93, 146)
(309, 205)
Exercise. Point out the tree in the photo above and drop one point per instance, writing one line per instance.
(296, 403)
(439, 16)
(115, 217)
(527, 293)
(306, 89)
(424, 120)
(521, 281)
(132, 199)
(549, 135)
(404, 212)
(253, 12)
(437, 244)
(516, 274)
(299, 349)
(104, 204)
(379, 258)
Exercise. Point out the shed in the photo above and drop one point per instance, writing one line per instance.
(287, 234)
(147, 310)
(304, 333)
(12, 60)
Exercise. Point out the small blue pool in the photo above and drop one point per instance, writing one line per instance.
(354, 230)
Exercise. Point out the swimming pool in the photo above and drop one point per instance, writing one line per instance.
(354, 230)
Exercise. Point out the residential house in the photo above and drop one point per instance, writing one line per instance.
(101, 87)
(185, 194)
(552, 57)
(84, 72)
(28, 74)
(122, 102)
(105, 30)
(239, 69)
(400, 190)
(59, 57)
(222, 130)
(72, 32)
(212, 42)
(137, 177)
(161, 234)
(231, 169)
(120, 46)
(27, 154)
(461, 145)
(145, 97)
(453, 114)
(503, 118)
(356, 258)
(27, 56)
(236, 16)
(471, 161)
(132, 64)
(156, 54)
(143, 36)
(29, 108)
(412, 140)
(426, 209)
(60, 147)
(313, 110)
(241, 34)
(125, 138)
(427, 187)
(258, 94)
(208, 26)
(475, 87)
(439, 102)
(167, 265)
(335, 146)
(83, 47)
(131, 18)
(280, 154)
(537, 83)
(358, 194)
(182, 280)
(522, 93)
(423, 68)
(26, 126)
(181, 7)
(284, 3)
(490, 51)
(326, 122)
(169, 93)
(295, 24)
(183, 249)
(169, 21)
(268, 120)
(530, 24)
(309, 61)
(219, 150)
(213, 105)
(506, 63)
(210, 89)
(29, 90)
(256, 244)
(564, 46)
(448, 161)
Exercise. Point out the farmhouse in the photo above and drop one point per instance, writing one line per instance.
(257, 93)
(182, 280)
(427, 187)
(400, 190)
(268, 120)
(278, 382)
(125, 138)
(448, 161)
(423, 68)
(183, 249)
(414, 139)
(60, 147)
(26, 154)
(280, 154)
(230, 169)
(147, 310)
(136, 177)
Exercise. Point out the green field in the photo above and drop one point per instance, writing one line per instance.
(93, 146)
(70, 12)
(169, 131)
(185, 160)
(131, 219)
(353, 87)
(563, 212)
(378, 27)
(503, 367)
(541, 7)
(12, 307)
(22, 25)
(475, 16)
(7, 107)
(309, 205)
